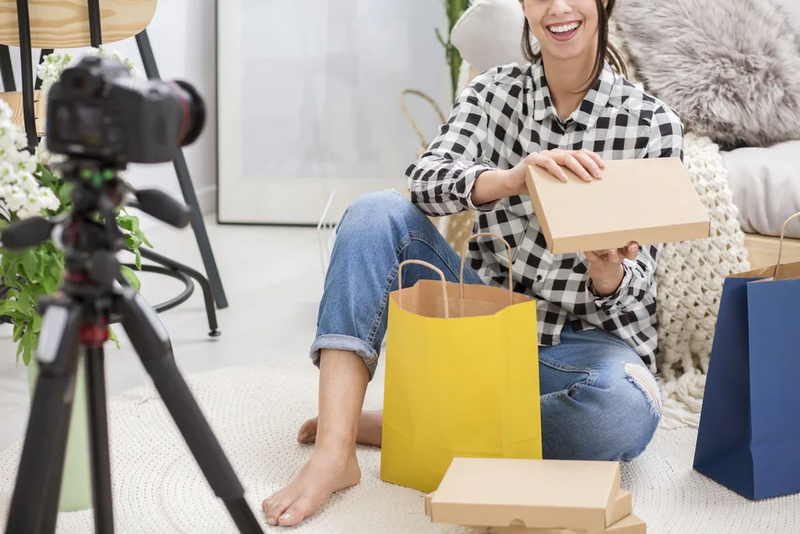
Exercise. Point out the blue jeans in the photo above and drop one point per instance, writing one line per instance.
(599, 401)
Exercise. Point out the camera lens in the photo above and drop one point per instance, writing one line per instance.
(194, 113)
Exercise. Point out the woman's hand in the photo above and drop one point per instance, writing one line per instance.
(584, 163)
(605, 267)
(494, 185)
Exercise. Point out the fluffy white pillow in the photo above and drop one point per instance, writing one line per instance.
(792, 7)
(730, 68)
(489, 34)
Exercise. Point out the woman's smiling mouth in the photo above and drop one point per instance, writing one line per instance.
(563, 31)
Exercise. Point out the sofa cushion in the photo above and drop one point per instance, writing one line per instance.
(730, 68)
(765, 187)
(489, 34)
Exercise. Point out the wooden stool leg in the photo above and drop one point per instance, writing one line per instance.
(28, 108)
(185, 181)
(7, 70)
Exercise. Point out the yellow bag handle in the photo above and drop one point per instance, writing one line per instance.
(429, 266)
(464, 259)
(780, 246)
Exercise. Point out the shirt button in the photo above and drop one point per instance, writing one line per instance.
(538, 277)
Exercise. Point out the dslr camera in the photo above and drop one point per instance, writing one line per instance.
(98, 111)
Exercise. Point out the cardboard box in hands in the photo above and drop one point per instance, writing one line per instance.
(649, 201)
(534, 497)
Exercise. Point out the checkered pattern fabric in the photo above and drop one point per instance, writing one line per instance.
(506, 114)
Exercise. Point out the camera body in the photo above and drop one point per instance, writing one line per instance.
(98, 111)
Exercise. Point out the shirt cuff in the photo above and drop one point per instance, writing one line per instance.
(469, 177)
(620, 298)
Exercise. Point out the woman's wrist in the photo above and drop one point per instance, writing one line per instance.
(489, 187)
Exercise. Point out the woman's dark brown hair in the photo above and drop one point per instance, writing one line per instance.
(605, 50)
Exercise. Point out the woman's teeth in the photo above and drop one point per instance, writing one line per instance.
(565, 28)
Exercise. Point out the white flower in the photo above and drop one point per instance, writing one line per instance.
(49, 200)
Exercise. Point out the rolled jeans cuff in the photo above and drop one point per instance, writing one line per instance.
(347, 343)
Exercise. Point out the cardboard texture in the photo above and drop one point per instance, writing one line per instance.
(466, 385)
(649, 201)
(621, 510)
(630, 524)
(538, 494)
(748, 434)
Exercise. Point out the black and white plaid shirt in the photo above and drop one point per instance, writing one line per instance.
(506, 114)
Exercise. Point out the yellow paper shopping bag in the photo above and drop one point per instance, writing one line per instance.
(462, 378)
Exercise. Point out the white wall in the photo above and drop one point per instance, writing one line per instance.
(182, 36)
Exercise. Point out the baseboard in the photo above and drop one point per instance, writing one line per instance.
(207, 199)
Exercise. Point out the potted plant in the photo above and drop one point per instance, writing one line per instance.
(30, 186)
(454, 10)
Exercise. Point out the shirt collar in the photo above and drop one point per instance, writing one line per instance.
(590, 109)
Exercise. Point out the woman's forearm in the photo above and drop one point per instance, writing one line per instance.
(489, 187)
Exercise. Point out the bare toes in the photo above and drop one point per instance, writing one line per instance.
(296, 512)
(274, 507)
(308, 431)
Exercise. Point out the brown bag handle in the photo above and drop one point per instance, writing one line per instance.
(780, 246)
(464, 259)
(429, 266)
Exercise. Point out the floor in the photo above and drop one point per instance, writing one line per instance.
(273, 280)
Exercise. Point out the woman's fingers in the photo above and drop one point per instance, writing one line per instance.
(575, 166)
(595, 157)
(631, 252)
(592, 256)
(589, 164)
(549, 164)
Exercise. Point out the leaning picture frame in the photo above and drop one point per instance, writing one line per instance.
(308, 103)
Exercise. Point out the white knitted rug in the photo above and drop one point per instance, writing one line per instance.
(256, 411)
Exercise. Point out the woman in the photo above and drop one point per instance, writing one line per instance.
(596, 310)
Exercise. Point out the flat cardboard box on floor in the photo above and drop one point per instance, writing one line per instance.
(649, 201)
(622, 519)
(543, 494)
(630, 524)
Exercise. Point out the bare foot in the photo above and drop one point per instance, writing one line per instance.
(369, 429)
(325, 473)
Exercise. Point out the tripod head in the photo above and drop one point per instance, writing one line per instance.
(89, 233)
(102, 119)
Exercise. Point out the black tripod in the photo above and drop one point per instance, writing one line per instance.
(78, 317)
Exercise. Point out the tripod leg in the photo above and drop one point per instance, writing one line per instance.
(98, 422)
(151, 341)
(34, 503)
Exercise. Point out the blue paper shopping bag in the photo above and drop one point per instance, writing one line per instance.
(749, 436)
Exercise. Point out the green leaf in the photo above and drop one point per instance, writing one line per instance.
(37, 324)
(29, 264)
(144, 239)
(46, 177)
(50, 283)
(19, 329)
(138, 259)
(64, 194)
(113, 337)
(128, 222)
(131, 276)
(8, 306)
(26, 302)
(133, 241)
(27, 344)
(20, 348)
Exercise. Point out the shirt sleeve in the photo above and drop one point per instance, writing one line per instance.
(441, 181)
(666, 141)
